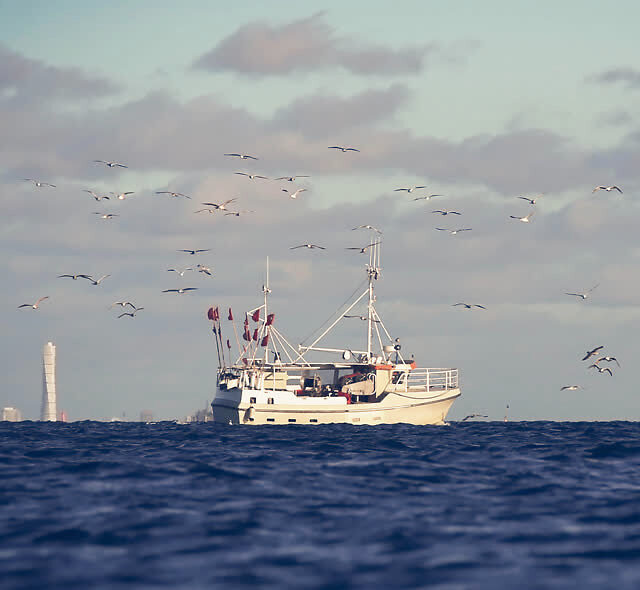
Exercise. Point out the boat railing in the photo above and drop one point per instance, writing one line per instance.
(432, 379)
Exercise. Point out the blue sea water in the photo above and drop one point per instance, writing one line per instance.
(470, 505)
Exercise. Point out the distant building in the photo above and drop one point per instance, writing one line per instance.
(10, 414)
(146, 416)
(49, 400)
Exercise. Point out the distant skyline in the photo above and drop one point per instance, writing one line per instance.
(479, 105)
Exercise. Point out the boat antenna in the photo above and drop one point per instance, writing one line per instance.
(266, 290)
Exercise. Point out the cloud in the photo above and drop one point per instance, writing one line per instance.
(24, 79)
(260, 49)
(630, 77)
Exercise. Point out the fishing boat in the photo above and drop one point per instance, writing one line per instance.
(270, 381)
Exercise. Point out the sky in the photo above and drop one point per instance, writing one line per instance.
(480, 103)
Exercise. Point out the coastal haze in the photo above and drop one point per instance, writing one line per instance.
(480, 106)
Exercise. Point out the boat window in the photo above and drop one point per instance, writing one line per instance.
(252, 400)
(271, 419)
(313, 419)
(269, 400)
(396, 377)
(292, 419)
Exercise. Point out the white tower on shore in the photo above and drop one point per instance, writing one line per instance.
(49, 410)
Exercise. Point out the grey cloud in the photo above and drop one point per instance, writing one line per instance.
(304, 45)
(24, 79)
(630, 77)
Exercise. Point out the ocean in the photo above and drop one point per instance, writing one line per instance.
(493, 505)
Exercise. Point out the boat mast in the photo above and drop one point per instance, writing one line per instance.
(266, 290)
(373, 271)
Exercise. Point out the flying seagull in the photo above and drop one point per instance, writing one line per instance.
(74, 277)
(454, 232)
(251, 176)
(608, 359)
(180, 272)
(591, 353)
(95, 282)
(34, 305)
(238, 213)
(426, 197)
(310, 246)
(206, 211)
(525, 219)
(607, 188)
(361, 317)
(342, 149)
(570, 387)
(106, 215)
(242, 156)
(181, 290)
(205, 269)
(469, 305)
(584, 295)
(131, 314)
(192, 252)
(172, 194)
(122, 196)
(601, 369)
(111, 164)
(473, 416)
(294, 195)
(123, 304)
(530, 200)
(446, 212)
(362, 250)
(96, 196)
(292, 178)
(409, 190)
(221, 206)
(375, 229)
(39, 183)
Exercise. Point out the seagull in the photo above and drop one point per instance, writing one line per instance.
(131, 314)
(172, 194)
(292, 178)
(608, 359)
(192, 252)
(122, 196)
(360, 317)
(95, 195)
(112, 164)
(375, 229)
(39, 183)
(238, 213)
(525, 219)
(95, 281)
(342, 149)
(593, 352)
(74, 277)
(469, 305)
(446, 212)
(34, 305)
(473, 416)
(106, 215)
(295, 194)
(221, 206)
(453, 232)
(310, 246)
(607, 188)
(583, 295)
(180, 272)
(529, 200)
(426, 197)
(409, 190)
(181, 290)
(206, 211)
(570, 387)
(123, 304)
(601, 369)
(242, 156)
(205, 269)
(252, 176)
(362, 250)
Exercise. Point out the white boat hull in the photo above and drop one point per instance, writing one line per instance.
(394, 409)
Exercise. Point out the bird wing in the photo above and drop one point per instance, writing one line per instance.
(442, 229)
(400, 189)
(575, 294)
(335, 147)
(480, 306)
(237, 155)
(25, 305)
(352, 150)
(607, 369)
(616, 188)
(42, 299)
(454, 213)
(190, 289)
(173, 290)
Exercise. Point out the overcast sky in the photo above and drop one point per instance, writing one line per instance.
(480, 102)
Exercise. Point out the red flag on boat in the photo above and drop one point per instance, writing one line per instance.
(246, 336)
(216, 314)
(270, 319)
(255, 334)
(210, 313)
(230, 315)
(265, 340)
(256, 315)
(228, 344)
